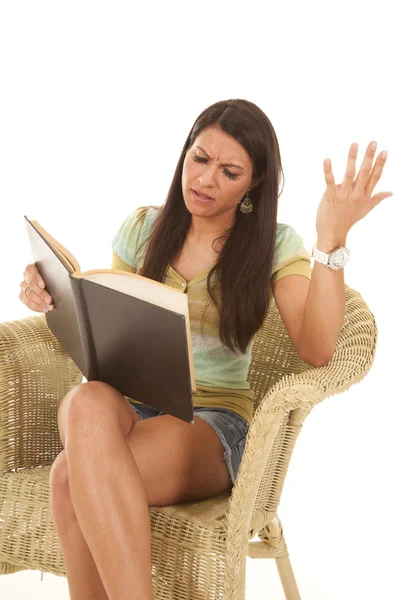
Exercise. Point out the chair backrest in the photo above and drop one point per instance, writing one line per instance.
(273, 355)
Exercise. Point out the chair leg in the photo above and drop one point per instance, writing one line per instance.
(287, 578)
(272, 535)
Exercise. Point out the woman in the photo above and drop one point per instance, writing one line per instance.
(216, 238)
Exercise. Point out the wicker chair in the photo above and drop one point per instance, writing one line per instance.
(199, 549)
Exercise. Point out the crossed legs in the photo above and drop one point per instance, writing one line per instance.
(80, 489)
(113, 467)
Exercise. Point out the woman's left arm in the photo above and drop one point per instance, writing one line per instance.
(313, 311)
(324, 310)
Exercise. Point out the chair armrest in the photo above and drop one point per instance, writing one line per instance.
(35, 374)
(353, 358)
(354, 355)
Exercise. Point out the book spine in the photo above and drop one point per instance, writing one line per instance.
(89, 348)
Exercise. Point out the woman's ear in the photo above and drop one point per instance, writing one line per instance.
(259, 180)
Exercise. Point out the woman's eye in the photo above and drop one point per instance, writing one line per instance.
(199, 159)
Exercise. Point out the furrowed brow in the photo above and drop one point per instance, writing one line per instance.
(225, 164)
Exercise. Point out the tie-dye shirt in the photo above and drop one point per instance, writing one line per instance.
(221, 374)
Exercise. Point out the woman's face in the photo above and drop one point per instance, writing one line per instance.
(205, 170)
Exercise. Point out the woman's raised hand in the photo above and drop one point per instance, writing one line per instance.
(33, 293)
(344, 204)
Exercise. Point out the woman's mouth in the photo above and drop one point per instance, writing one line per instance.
(202, 199)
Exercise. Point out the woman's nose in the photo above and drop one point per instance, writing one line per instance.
(208, 177)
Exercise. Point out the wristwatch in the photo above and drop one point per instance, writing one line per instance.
(335, 259)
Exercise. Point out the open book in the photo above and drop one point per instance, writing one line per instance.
(119, 328)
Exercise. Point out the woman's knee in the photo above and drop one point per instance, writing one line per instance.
(58, 479)
(77, 404)
(94, 401)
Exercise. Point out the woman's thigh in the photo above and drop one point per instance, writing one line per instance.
(178, 461)
(230, 427)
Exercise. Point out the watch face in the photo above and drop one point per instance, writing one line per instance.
(339, 258)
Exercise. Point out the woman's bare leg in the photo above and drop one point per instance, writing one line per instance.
(84, 581)
(108, 495)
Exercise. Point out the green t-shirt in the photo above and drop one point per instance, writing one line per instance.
(221, 374)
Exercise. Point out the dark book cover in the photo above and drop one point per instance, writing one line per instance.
(136, 346)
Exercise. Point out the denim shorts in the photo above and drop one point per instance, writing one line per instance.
(230, 427)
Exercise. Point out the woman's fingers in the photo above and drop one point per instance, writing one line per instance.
(366, 180)
(36, 298)
(376, 173)
(379, 197)
(365, 169)
(27, 300)
(329, 177)
(350, 169)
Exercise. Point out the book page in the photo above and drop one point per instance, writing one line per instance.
(140, 287)
(68, 260)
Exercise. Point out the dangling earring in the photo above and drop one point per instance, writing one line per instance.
(246, 205)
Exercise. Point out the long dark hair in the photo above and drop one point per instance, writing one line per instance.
(244, 266)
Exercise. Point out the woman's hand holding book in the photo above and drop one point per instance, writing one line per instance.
(33, 291)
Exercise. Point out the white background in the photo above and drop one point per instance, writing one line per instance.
(96, 101)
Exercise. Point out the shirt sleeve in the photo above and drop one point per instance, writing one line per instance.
(120, 265)
(126, 240)
(291, 256)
